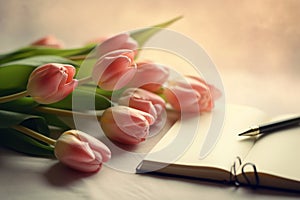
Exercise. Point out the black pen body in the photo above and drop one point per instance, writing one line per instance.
(281, 125)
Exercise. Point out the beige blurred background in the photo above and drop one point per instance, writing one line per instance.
(255, 44)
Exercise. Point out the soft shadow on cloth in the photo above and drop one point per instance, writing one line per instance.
(60, 175)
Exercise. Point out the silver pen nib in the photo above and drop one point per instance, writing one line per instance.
(251, 132)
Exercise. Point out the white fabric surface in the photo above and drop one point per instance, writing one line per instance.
(25, 177)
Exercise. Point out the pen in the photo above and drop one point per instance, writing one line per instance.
(272, 127)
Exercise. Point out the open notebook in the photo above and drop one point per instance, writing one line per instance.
(271, 160)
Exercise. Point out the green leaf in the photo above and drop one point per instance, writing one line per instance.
(86, 68)
(39, 60)
(54, 120)
(24, 104)
(9, 118)
(27, 105)
(14, 75)
(105, 93)
(142, 35)
(31, 51)
(22, 143)
(17, 140)
(82, 98)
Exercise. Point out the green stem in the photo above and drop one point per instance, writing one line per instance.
(34, 134)
(12, 97)
(66, 113)
(85, 80)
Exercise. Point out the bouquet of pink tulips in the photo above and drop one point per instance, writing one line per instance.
(38, 83)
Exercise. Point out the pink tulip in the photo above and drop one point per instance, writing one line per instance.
(117, 42)
(49, 41)
(96, 40)
(198, 84)
(142, 100)
(81, 151)
(51, 82)
(126, 125)
(150, 76)
(114, 70)
(191, 95)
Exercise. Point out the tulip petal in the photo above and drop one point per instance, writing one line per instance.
(183, 99)
(142, 100)
(112, 43)
(125, 52)
(191, 94)
(126, 125)
(134, 123)
(150, 76)
(48, 41)
(83, 167)
(51, 82)
(70, 148)
(120, 41)
(81, 151)
(96, 145)
(112, 73)
(71, 72)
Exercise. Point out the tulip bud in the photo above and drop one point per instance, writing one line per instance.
(150, 76)
(200, 85)
(49, 41)
(117, 42)
(81, 151)
(114, 70)
(51, 82)
(191, 95)
(126, 125)
(142, 100)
